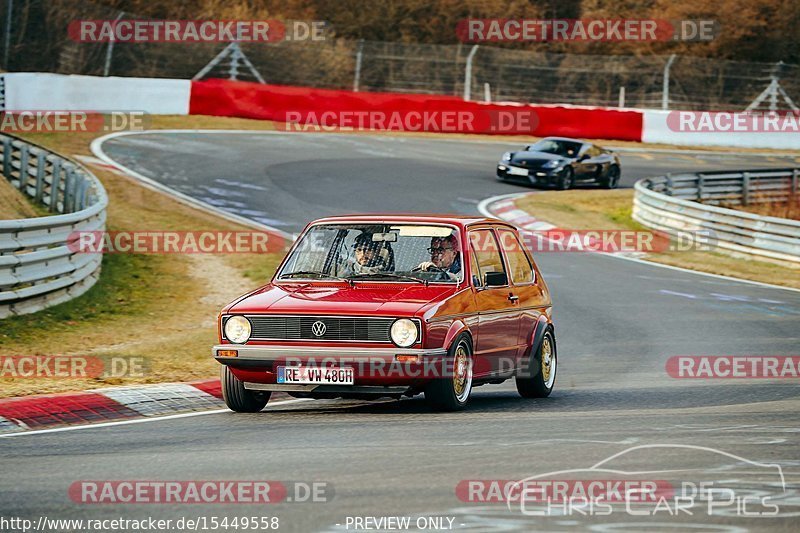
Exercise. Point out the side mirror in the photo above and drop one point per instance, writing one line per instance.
(496, 279)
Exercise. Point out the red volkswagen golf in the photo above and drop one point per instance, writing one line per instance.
(370, 306)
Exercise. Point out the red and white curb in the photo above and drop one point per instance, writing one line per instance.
(505, 208)
(108, 404)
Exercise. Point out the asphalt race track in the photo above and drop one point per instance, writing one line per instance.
(617, 324)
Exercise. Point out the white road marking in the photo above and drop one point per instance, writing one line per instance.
(676, 293)
(139, 420)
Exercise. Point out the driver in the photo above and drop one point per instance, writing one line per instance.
(370, 257)
(445, 257)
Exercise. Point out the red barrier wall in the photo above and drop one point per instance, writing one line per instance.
(333, 109)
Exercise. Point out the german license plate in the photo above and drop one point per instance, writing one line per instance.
(517, 171)
(311, 375)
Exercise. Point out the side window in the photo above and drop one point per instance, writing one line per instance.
(477, 277)
(518, 263)
(487, 252)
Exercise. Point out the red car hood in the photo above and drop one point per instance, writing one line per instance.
(401, 299)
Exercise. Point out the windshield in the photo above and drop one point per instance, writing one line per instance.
(402, 253)
(551, 146)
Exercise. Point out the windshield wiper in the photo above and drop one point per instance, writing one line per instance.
(311, 273)
(387, 275)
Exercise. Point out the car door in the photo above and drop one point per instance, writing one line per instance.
(590, 166)
(524, 286)
(498, 314)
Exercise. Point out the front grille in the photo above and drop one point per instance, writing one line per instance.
(528, 163)
(336, 328)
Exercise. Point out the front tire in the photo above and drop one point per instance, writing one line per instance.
(541, 372)
(239, 399)
(612, 178)
(566, 180)
(451, 393)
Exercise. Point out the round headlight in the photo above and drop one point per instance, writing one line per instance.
(237, 329)
(404, 332)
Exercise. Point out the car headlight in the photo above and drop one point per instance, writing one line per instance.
(404, 332)
(237, 329)
(551, 164)
(507, 156)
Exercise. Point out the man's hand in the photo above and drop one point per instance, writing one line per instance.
(425, 266)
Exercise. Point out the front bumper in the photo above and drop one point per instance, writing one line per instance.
(371, 366)
(269, 355)
(535, 176)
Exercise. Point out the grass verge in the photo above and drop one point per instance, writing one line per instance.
(160, 309)
(612, 210)
(14, 204)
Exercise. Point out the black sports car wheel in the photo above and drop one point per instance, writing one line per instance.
(612, 178)
(566, 180)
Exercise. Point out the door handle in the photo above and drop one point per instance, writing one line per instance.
(513, 297)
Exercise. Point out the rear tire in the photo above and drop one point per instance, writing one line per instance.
(566, 180)
(451, 393)
(239, 399)
(541, 383)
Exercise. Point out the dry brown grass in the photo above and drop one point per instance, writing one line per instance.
(158, 307)
(598, 209)
(789, 209)
(13, 204)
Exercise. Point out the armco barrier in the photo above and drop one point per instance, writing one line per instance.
(38, 268)
(669, 203)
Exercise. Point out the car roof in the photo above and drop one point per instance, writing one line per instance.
(461, 221)
(565, 139)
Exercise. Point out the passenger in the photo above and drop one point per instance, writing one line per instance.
(445, 257)
(370, 257)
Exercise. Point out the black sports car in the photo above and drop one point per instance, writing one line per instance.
(561, 162)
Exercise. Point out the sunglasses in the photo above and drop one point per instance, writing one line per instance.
(439, 250)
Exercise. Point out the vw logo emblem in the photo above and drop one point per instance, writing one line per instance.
(318, 328)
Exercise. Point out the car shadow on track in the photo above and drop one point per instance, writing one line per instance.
(571, 400)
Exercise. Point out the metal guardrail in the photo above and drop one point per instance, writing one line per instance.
(38, 265)
(672, 204)
(731, 187)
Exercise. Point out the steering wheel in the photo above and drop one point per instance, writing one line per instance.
(430, 268)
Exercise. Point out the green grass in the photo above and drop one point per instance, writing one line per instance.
(122, 290)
